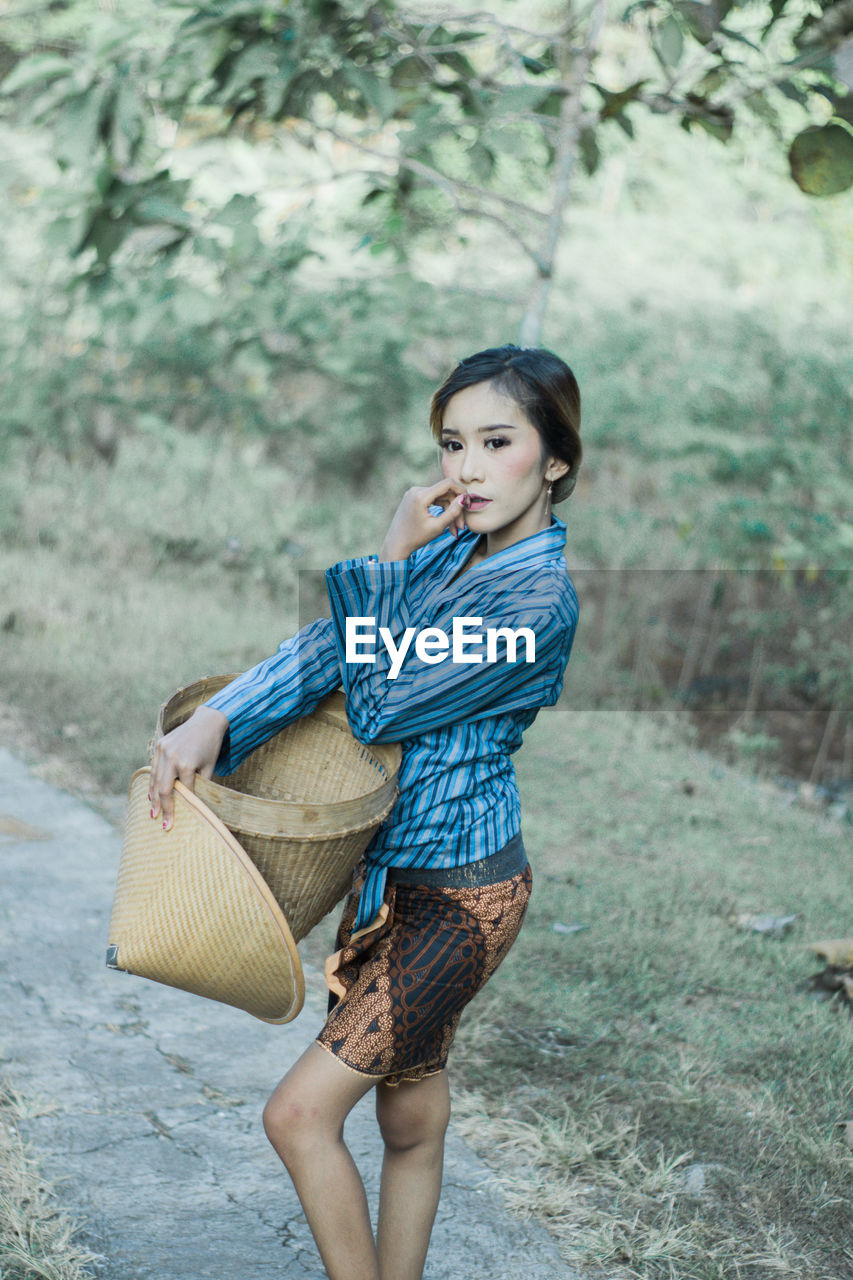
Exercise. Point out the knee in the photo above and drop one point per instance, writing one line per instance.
(406, 1121)
(291, 1123)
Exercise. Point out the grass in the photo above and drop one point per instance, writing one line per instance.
(37, 1240)
(661, 1087)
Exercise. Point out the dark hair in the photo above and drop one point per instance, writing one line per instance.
(541, 384)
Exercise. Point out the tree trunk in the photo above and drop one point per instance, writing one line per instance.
(832, 722)
(575, 67)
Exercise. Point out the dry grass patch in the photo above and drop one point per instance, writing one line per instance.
(37, 1240)
(662, 1089)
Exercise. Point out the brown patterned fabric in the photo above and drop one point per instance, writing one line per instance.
(407, 982)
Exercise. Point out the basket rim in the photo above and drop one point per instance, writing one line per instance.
(204, 787)
(332, 710)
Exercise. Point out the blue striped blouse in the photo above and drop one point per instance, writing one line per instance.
(458, 723)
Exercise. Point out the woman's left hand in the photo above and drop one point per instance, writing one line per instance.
(413, 526)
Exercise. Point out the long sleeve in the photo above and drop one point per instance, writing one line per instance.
(283, 688)
(427, 695)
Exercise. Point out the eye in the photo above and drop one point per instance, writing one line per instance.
(497, 442)
(451, 446)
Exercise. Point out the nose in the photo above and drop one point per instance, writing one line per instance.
(471, 466)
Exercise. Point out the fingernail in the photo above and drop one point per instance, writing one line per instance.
(151, 812)
(165, 826)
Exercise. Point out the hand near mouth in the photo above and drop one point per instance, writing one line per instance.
(413, 526)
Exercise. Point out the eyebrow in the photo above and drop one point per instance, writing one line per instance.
(494, 426)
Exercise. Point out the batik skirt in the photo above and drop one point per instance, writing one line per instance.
(398, 989)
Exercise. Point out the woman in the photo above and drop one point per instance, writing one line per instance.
(443, 888)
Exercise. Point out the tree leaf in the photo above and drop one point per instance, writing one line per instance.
(410, 72)
(127, 123)
(481, 161)
(842, 107)
(535, 66)
(377, 95)
(46, 103)
(521, 98)
(223, 13)
(715, 118)
(39, 68)
(821, 159)
(472, 103)
(78, 128)
(792, 91)
(614, 103)
(246, 244)
(701, 19)
(104, 234)
(239, 210)
(590, 154)
(736, 35)
(458, 63)
(159, 208)
(670, 41)
(257, 62)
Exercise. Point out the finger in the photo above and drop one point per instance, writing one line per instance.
(153, 785)
(443, 492)
(187, 777)
(168, 811)
(163, 774)
(452, 515)
(162, 783)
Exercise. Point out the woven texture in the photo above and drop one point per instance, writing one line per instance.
(192, 911)
(303, 805)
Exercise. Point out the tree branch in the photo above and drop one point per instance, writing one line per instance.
(446, 184)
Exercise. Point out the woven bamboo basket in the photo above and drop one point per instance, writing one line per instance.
(304, 805)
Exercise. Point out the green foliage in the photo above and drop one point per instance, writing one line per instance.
(242, 353)
(733, 80)
(465, 103)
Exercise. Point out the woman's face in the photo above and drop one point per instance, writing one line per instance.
(489, 445)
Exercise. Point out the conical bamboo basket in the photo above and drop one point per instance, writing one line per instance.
(191, 910)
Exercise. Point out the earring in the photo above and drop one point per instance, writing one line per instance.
(550, 491)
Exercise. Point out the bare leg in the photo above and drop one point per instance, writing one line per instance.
(413, 1120)
(304, 1121)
